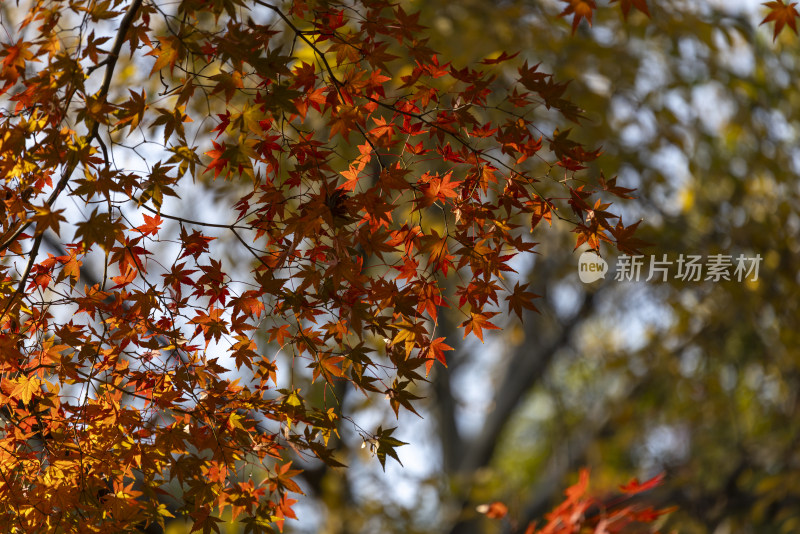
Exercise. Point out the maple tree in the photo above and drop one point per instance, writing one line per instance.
(365, 171)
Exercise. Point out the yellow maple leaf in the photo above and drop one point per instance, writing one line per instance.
(25, 387)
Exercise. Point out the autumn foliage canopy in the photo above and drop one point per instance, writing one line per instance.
(138, 345)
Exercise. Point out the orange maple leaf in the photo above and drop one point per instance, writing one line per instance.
(436, 351)
(168, 53)
(580, 9)
(72, 266)
(477, 322)
(782, 14)
(383, 128)
(151, 225)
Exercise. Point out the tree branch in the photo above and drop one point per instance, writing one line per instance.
(524, 371)
(124, 26)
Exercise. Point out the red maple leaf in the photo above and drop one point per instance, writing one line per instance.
(436, 352)
(782, 14)
(224, 122)
(218, 162)
(634, 486)
(499, 59)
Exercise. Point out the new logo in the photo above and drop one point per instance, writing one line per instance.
(591, 267)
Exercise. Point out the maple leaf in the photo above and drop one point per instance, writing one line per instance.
(279, 334)
(327, 366)
(408, 23)
(284, 476)
(612, 187)
(435, 351)
(477, 323)
(249, 304)
(101, 229)
(626, 242)
(195, 243)
(172, 120)
(782, 15)
(203, 520)
(168, 53)
(591, 234)
(417, 149)
(634, 486)
(520, 299)
(212, 324)
(15, 56)
(125, 278)
(399, 395)
(578, 490)
(382, 129)
(227, 82)
(580, 9)
(227, 158)
(408, 270)
(626, 6)
(244, 353)
(224, 122)
(345, 120)
(304, 77)
(151, 225)
(46, 218)
(393, 177)
(132, 111)
(541, 210)
(25, 388)
(386, 444)
(438, 253)
(409, 334)
(504, 56)
(71, 266)
(436, 188)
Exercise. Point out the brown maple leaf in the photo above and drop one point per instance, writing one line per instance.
(626, 6)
